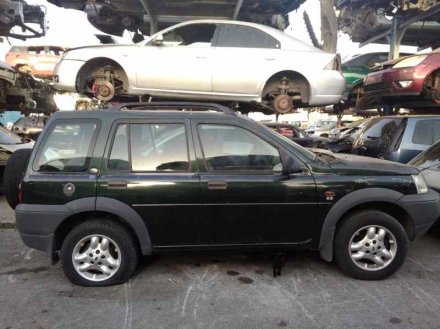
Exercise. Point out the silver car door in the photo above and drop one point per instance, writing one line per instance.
(179, 62)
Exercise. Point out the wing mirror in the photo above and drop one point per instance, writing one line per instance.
(158, 41)
(290, 166)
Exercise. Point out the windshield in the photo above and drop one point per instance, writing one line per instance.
(381, 128)
(7, 137)
(429, 158)
(304, 152)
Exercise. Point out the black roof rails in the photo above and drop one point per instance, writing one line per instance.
(191, 106)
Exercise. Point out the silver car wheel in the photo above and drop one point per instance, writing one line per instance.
(372, 248)
(96, 257)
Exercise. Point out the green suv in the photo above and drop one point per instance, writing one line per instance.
(103, 187)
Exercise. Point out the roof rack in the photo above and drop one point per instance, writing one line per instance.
(189, 106)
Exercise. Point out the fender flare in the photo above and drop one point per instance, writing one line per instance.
(346, 203)
(130, 217)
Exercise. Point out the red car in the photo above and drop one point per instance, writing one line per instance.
(411, 81)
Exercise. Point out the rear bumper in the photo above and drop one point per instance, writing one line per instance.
(37, 224)
(327, 87)
(424, 209)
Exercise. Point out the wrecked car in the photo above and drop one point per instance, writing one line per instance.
(40, 60)
(20, 91)
(256, 66)
(411, 81)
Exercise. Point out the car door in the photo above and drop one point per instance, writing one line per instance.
(247, 198)
(244, 57)
(178, 61)
(60, 169)
(149, 168)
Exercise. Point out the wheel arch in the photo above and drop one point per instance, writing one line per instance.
(305, 87)
(108, 209)
(95, 63)
(381, 199)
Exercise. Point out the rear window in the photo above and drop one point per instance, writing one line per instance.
(67, 147)
(383, 129)
(426, 132)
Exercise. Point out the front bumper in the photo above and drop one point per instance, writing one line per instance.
(424, 210)
(65, 74)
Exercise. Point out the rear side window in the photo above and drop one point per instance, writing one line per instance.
(149, 148)
(67, 147)
(246, 37)
(426, 132)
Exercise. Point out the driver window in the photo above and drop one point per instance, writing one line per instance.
(230, 148)
(195, 35)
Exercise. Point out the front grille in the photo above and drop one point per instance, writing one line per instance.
(377, 87)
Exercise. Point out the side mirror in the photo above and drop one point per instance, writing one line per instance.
(158, 41)
(290, 166)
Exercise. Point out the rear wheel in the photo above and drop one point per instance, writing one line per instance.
(370, 245)
(13, 174)
(99, 253)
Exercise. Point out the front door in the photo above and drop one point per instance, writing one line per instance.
(180, 63)
(149, 168)
(246, 197)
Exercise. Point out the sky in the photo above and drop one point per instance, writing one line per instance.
(70, 28)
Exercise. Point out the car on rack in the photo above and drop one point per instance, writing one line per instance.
(297, 135)
(102, 187)
(354, 69)
(249, 66)
(410, 82)
(397, 138)
(9, 143)
(40, 61)
(428, 163)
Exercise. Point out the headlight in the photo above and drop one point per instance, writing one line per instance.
(420, 183)
(410, 61)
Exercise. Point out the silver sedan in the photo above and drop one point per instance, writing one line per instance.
(252, 66)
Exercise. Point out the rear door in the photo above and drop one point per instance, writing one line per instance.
(60, 169)
(150, 167)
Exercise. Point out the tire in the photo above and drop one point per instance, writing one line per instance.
(121, 248)
(354, 232)
(2, 191)
(14, 170)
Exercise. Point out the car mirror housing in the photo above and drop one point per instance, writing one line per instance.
(158, 41)
(291, 166)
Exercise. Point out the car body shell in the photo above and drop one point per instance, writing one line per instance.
(210, 73)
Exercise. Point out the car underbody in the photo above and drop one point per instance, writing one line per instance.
(147, 16)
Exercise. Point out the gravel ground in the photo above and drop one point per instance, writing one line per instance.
(220, 291)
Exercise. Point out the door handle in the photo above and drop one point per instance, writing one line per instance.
(269, 58)
(201, 57)
(217, 185)
(117, 185)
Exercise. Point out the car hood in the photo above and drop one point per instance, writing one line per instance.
(347, 164)
(15, 147)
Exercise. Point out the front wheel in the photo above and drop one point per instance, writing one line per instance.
(99, 252)
(370, 245)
